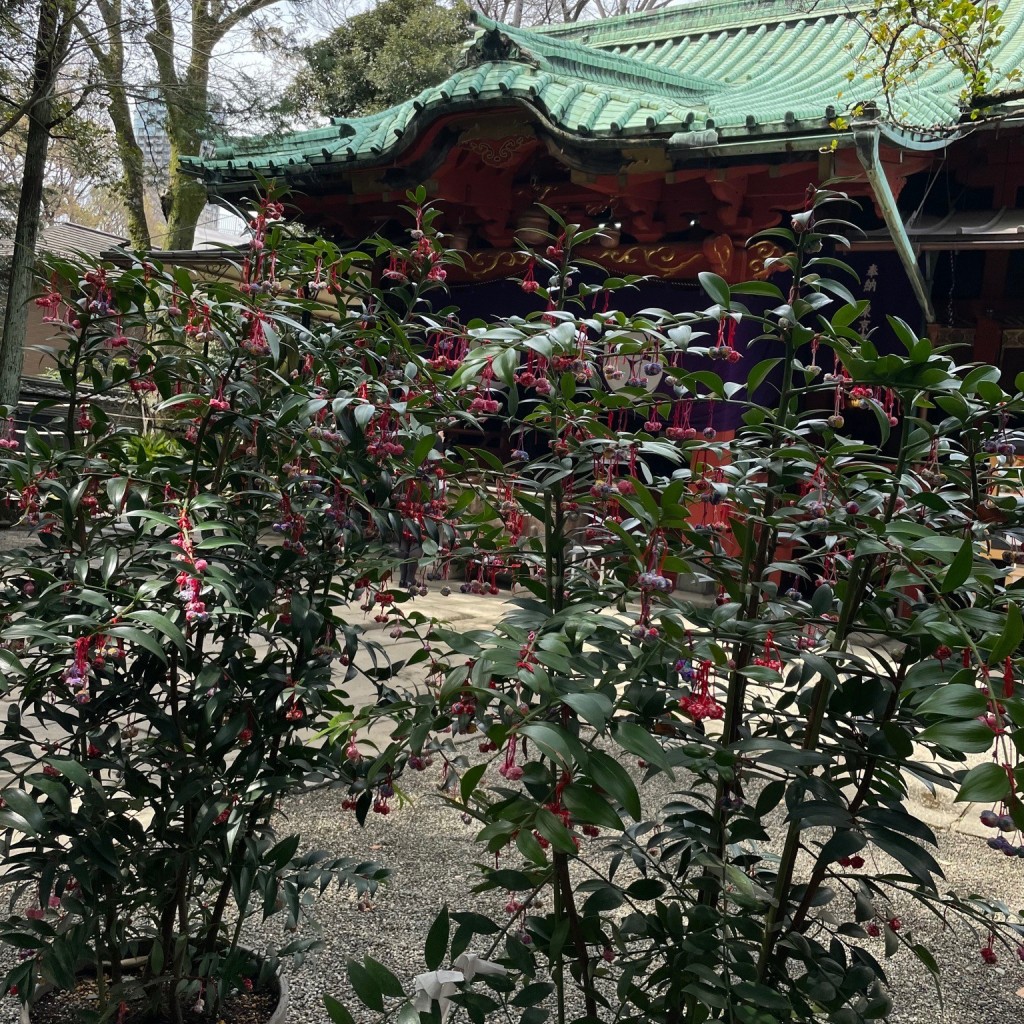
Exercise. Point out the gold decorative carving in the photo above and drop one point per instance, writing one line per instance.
(494, 263)
(665, 261)
(758, 255)
(719, 252)
(498, 152)
(963, 337)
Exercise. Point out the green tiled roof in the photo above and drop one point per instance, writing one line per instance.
(700, 74)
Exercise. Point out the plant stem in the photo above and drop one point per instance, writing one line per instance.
(549, 559)
(101, 979)
(863, 788)
(558, 543)
(69, 428)
(201, 434)
(116, 974)
(564, 882)
(557, 966)
(860, 575)
(753, 569)
(752, 572)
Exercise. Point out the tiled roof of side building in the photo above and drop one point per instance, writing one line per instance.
(748, 69)
(66, 239)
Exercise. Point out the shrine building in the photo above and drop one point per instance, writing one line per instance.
(682, 132)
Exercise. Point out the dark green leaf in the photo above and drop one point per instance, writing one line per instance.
(554, 831)
(388, 984)
(469, 781)
(407, 1014)
(555, 741)
(716, 287)
(337, 1012)
(137, 636)
(984, 783)
(638, 741)
(71, 770)
(594, 708)
(365, 987)
(646, 889)
(956, 700)
(960, 568)
(1009, 640)
(163, 624)
(526, 843)
(765, 288)
(821, 600)
(969, 737)
(20, 804)
(436, 945)
(589, 808)
(925, 956)
(616, 781)
(532, 994)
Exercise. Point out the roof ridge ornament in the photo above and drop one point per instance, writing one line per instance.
(493, 46)
(498, 43)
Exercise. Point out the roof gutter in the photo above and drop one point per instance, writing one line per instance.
(866, 141)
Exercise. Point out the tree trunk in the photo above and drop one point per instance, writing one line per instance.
(51, 49)
(188, 121)
(133, 184)
(186, 199)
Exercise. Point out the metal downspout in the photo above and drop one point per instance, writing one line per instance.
(866, 141)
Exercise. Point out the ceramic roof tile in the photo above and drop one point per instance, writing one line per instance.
(766, 67)
(67, 239)
(591, 112)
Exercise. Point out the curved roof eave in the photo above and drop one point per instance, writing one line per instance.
(247, 168)
(701, 69)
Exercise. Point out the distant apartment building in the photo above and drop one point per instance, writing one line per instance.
(150, 124)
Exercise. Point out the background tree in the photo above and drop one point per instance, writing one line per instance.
(70, 92)
(379, 58)
(80, 179)
(167, 49)
(904, 39)
(40, 109)
(559, 12)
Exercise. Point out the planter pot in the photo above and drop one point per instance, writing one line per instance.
(279, 1015)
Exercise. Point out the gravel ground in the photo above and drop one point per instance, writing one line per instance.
(431, 854)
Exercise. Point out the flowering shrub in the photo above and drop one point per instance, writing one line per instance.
(172, 644)
(838, 497)
(176, 637)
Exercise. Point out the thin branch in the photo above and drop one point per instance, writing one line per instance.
(237, 16)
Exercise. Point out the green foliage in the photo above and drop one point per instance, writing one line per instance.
(906, 39)
(380, 57)
(855, 620)
(190, 603)
(188, 618)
